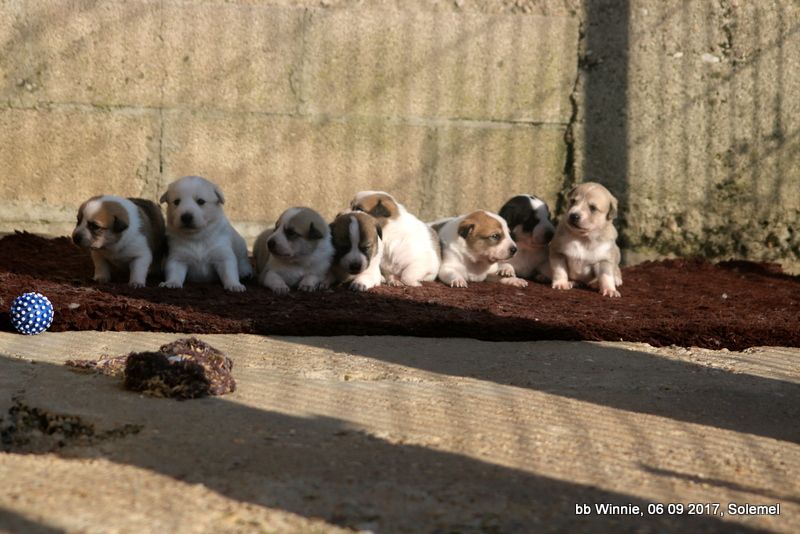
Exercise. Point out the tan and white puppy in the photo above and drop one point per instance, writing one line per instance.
(203, 246)
(358, 244)
(411, 252)
(121, 233)
(528, 218)
(473, 248)
(296, 253)
(584, 248)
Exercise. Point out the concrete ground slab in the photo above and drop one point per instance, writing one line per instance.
(401, 434)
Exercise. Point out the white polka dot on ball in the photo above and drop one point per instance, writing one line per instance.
(31, 313)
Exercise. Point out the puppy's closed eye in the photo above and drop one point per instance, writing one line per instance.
(200, 201)
(177, 202)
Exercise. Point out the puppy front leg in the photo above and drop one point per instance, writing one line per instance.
(606, 279)
(558, 264)
(139, 268)
(506, 270)
(102, 269)
(452, 276)
(272, 280)
(499, 273)
(228, 271)
(366, 280)
(174, 273)
(309, 283)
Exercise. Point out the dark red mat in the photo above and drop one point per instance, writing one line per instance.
(730, 305)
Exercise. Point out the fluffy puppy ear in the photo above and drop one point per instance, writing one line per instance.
(119, 225)
(220, 196)
(378, 230)
(465, 229)
(163, 197)
(313, 233)
(379, 210)
(612, 209)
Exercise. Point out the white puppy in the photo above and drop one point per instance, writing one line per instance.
(357, 240)
(203, 246)
(584, 248)
(121, 233)
(472, 247)
(411, 252)
(297, 253)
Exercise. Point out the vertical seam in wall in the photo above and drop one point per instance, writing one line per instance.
(569, 175)
(161, 181)
(297, 76)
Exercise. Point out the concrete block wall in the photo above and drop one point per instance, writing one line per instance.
(686, 111)
(689, 112)
(282, 103)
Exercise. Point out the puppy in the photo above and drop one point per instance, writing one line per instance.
(584, 248)
(296, 253)
(528, 218)
(203, 246)
(411, 252)
(472, 248)
(358, 244)
(121, 233)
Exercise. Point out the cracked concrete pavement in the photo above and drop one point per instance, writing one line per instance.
(393, 434)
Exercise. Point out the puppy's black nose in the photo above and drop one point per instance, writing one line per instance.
(512, 250)
(548, 235)
(77, 239)
(271, 245)
(574, 217)
(355, 267)
(187, 218)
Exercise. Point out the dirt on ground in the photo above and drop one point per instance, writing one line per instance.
(686, 302)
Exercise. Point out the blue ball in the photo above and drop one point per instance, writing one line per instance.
(31, 313)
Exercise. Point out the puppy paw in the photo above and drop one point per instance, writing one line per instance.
(514, 282)
(171, 285)
(235, 288)
(136, 284)
(506, 271)
(610, 292)
(308, 287)
(358, 286)
(279, 289)
(102, 278)
(562, 284)
(458, 282)
(394, 282)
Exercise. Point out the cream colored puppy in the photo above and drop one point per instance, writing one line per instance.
(203, 246)
(473, 247)
(296, 253)
(122, 233)
(584, 248)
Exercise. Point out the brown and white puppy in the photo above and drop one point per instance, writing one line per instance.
(358, 244)
(584, 248)
(296, 253)
(528, 218)
(203, 246)
(121, 233)
(411, 251)
(473, 247)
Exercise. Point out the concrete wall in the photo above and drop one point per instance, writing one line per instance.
(684, 109)
(689, 112)
(281, 103)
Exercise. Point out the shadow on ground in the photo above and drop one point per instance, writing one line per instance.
(314, 466)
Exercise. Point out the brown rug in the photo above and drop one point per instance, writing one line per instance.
(730, 305)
